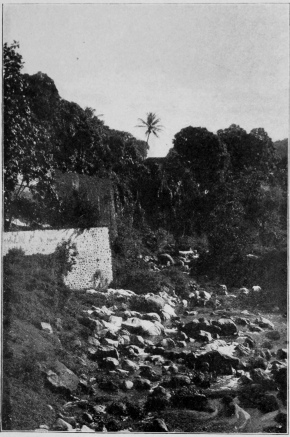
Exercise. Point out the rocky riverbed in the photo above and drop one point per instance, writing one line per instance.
(157, 363)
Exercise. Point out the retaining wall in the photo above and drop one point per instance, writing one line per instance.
(92, 245)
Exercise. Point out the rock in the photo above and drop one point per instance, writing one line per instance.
(130, 366)
(222, 290)
(107, 351)
(267, 345)
(127, 385)
(124, 339)
(76, 343)
(153, 317)
(249, 342)
(101, 313)
(62, 378)
(153, 303)
(137, 340)
(184, 303)
(94, 342)
(182, 336)
(254, 328)
(219, 362)
(46, 327)
(256, 289)
(115, 320)
(241, 321)
(228, 327)
(61, 425)
(108, 386)
(117, 409)
(157, 425)
(259, 376)
(264, 323)
(168, 343)
(178, 381)
(87, 417)
(109, 363)
(281, 354)
(173, 369)
(110, 342)
(203, 336)
(147, 372)
(182, 343)
(165, 258)
(144, 327)
(113, 425)
(156, 403)
(273, 335)
(189, 399)
(244, 290)
(258, 363)
(89, 322)
(142, 384)
(268, 403)
(169, 310)
(242, 351)
(120, 293)
(85, 428)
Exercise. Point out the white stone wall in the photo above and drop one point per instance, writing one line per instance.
(92, 244)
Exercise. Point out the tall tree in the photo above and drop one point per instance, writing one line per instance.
(151, 124)
(26, 164)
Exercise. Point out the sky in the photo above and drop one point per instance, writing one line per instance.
(192, 64)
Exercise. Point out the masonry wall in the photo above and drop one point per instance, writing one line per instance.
(94, 253)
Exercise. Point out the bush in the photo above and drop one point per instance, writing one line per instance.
(145, 281)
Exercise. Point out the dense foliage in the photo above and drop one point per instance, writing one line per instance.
(230, 186)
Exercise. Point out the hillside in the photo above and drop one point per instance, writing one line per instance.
(191, 335)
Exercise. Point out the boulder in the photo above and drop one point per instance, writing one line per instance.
(258, 363)
(46, 327)
(203, 336)
(219, 362)
(94, 342)
(120, 293)
(273, 335)
(106, 351)
(91, 323)
(167, 343)
(264, 323)
(259, 376)
(166, 259)
(127, 385)
(142, 384)
(267, 345)
(61, 378)
(62, 425)
(282, 354)
(189, 399)
(268, 403)
(157, 425)
(110, 342)
(222, 290)
(169, 310)
(241, 321)
(144, 327)
(153, 317)
(153, 303)
(130, 366)
(178, 381)
(228, 327)
(109, 363)
(137, 340)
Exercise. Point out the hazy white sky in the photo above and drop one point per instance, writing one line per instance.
(192, 64)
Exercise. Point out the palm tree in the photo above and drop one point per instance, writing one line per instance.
(151, 124)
